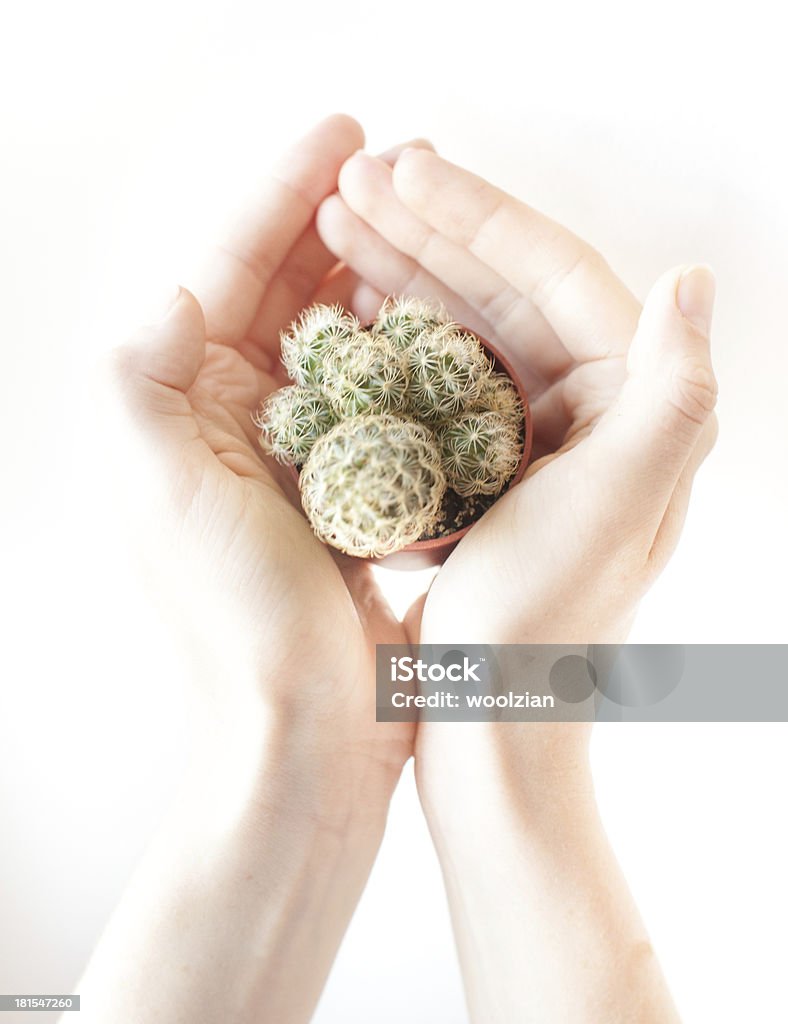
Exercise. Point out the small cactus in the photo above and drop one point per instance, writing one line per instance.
(364, 374)
(498, 394)
(403, 430)
(403, 319)
(373, 484)
(480, 452)
(291, 420)
(309, 338)
(446, 367)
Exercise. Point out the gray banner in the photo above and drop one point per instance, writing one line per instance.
(578, 682)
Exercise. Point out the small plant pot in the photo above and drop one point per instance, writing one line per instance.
(423, 554)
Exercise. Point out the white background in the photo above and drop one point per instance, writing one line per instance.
(656, 132)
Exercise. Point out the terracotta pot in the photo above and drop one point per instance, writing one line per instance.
(425, 553)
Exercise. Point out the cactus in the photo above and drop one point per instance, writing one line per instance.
(498, 394)
(446, 367)
(373, 484)
(315, 333)
(364, 374)
(480, 452)
(291, 420)
(403, 319)
(402, 431)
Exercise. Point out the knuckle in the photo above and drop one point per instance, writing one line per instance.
(693, 392)
(576, 260)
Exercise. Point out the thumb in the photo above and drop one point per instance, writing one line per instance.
(645, 439)
(145, 423)
(145, 420)
(151, 372)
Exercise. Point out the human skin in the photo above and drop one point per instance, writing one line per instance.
(622, 401)
(239, 905)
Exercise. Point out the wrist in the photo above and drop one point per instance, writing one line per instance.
(490, 778)
(251, 761)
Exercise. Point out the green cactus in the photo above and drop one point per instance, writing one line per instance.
(480, 451)
(364, 374)
(311, 337)
(291, 420)
(402, 319)
(402, 431)
(373, 484)
(446, 367)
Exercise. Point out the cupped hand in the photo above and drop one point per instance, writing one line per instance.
(272, 614)
(622, 401)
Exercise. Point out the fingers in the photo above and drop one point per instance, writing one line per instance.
(291, 288)
(642, 445)
(296, 285)
(381, 265)
(390, 156)
(591, 311)
(381, 269)
(366, 186)
(243, 266)
(350, 291)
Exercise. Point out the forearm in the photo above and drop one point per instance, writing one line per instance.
(545, 925)
(239, 905)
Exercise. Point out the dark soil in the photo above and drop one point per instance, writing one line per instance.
(458, 512)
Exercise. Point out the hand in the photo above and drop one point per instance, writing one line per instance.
(622, 416)
(622, 402)
(281, 627)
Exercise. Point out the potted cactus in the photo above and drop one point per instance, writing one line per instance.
(402, 432)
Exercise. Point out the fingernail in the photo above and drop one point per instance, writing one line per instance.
(160, 304)
(361, 155)
(695, 296)
(393, 154)
(418, 143)
(358, 163)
